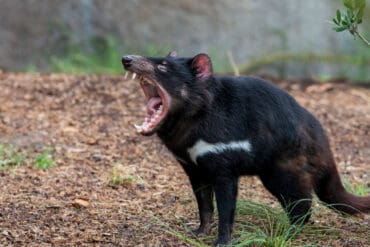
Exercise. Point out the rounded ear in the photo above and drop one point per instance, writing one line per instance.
(202, 66)
(172, 54)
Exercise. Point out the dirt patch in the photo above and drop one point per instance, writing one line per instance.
(88, 121)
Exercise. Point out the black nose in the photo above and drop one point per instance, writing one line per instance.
(126, 61)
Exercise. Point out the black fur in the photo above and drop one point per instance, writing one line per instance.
(289, 149)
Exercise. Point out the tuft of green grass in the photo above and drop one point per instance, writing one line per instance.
(258, 224)
(273, 228)
(44, 160)
(120, 176)
(11, 157)
(356, 188)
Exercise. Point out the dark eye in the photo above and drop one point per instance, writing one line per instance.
(162, 67)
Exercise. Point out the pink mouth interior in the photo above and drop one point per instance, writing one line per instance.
(153, 105)
(156, 106)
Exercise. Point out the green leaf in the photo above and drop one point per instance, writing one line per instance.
(349, 14)
(339, 29)
(348, 18)
(348, 4)
(360, 14)
(360, 4)
(339, 16)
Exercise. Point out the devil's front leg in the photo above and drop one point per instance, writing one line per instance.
(226, 189)
(204, 195)
(203, 191)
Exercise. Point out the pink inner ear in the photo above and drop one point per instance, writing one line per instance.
(202, 65)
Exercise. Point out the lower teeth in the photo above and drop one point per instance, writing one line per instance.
(149, 120)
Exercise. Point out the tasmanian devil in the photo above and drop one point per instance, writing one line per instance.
(222, 127)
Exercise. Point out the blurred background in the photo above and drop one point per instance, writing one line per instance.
(286, 38)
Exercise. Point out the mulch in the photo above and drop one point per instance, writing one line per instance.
(88, 122)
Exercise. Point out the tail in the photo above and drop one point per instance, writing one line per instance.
(330, 190)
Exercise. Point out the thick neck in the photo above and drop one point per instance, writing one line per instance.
(180, 123)
(175, 131)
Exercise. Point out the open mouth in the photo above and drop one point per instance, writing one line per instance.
(158, 101)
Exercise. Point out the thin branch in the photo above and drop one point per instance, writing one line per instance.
(362, 38)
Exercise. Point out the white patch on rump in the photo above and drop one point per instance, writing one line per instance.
(201, 148)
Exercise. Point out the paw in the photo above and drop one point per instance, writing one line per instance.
(220, 243)
(203, 229)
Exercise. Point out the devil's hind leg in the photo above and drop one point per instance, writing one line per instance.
(293, 190)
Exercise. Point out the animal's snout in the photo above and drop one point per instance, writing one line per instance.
(127, 61)
(137, 64)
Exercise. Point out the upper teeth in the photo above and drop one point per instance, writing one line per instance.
(132, 77)
(141, 78)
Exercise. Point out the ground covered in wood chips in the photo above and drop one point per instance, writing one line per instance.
(87, 121)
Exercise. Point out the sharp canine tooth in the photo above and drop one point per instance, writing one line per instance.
(126, 74)
(138, 127)
(133, 76)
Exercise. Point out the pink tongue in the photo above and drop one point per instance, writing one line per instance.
(153, 105)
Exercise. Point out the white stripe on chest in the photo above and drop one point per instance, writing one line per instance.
(201, 148)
